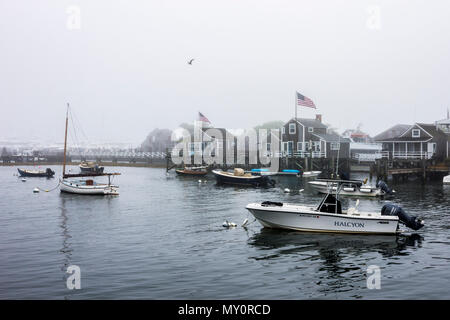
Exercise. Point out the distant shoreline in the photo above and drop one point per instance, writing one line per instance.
(106, 164)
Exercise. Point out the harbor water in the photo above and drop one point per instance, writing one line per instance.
(162, 238)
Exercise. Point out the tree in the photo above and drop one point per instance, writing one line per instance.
(276, 124)
(157, 141)
(5, 152)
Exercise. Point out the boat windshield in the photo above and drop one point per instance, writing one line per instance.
(330, 204)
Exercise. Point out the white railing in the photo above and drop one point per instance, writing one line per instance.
(369, 157)
(407, 155)
(411, 155)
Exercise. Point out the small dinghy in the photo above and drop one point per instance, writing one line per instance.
(239, 177)
(329, 216)
(192, 171)
(48, 173)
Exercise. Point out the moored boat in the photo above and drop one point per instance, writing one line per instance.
(329, 216)
(446, 179)
(239, 177)
(90, 167)
(87, 187)
(355, 188)
(70, 183)
(192, 171)
(36, 173)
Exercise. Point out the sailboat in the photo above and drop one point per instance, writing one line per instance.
(83, 183)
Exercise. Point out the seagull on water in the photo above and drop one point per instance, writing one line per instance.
(190, 61)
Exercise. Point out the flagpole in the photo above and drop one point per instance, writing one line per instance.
(295, 103)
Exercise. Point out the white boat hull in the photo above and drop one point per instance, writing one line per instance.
(308, 219)
(308, 174)
(99, 189)
(446, 179)
(322, 187)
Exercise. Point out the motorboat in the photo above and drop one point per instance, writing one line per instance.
(446, 180)
(36, 173)
(241, 178)
(355, 188)
(90, 167)
(192, 171)
(329, 216)
(83, 183)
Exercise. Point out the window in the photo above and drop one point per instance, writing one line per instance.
(299, 146)
(316, 146)
(310, 129)
(416, 133)
(283, 130)
(291, 128)
(306, 146)
(268, 147)
(335, 146)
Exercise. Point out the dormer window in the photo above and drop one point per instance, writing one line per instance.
(291, 128)
(310, 129)
(416, 133)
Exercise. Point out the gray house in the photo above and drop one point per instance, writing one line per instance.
(417, 141)
(310, 137)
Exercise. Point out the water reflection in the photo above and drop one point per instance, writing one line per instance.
(330, 246)
(66, 249)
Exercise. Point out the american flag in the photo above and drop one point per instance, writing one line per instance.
(305, 101)
(201, 117)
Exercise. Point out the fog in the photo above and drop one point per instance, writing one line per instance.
(123, 67)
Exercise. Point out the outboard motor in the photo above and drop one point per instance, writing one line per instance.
(410, 221)
(49, 172)
(383, 186)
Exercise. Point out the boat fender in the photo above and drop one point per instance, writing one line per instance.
(271, 203)
(244, 224)
(36, 190)
(410, 221)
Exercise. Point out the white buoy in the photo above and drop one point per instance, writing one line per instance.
(301, 190)
(24, 180)
(199, 181)
(36, 190)
(286, 190)
(244, 223)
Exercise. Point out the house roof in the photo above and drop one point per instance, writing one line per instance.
(331, 137)
(392, 132)
(309, 122)
(430, 130)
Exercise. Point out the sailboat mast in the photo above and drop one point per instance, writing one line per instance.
(65, 140)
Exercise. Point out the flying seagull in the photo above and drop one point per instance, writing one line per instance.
(190, 61)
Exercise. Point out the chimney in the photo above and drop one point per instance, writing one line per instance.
(319, 117)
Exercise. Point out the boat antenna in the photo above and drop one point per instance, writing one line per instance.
(65, 141)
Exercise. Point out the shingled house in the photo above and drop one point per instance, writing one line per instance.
(310, 137)
(417, 141)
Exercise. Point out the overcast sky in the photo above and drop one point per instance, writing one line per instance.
(124, 67)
